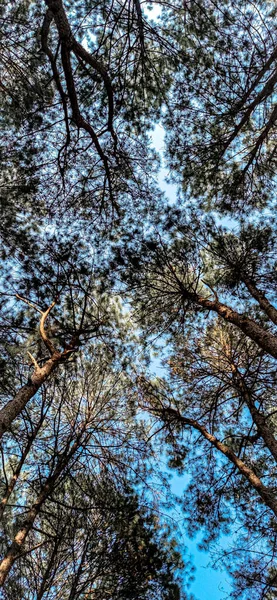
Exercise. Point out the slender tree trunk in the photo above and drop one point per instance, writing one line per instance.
(46, 575)
(258, 418)
(265, 493)
(18, 541)
(17, 472)
(73, 591)
(264, 303)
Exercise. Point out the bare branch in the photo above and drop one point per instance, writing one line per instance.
(33, 360)
(29, 303)
(43, 334)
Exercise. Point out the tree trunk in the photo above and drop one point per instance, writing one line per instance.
(264, 338)
(73, 591)
(14, 407)
(264, 303)
(46, 575)
(18, 542)
(258, 418)
(17, 472)
(265, 493)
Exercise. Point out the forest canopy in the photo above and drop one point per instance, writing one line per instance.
(103, 277)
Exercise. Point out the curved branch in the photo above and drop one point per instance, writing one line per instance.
(67, 39)
(44, 44)
(88, 58)
(42, 331)
(78, 118)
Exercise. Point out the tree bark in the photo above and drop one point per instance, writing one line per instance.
(14, 407)
(19, 539)
(264, 303)
(263, 338)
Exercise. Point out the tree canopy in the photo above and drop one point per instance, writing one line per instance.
(99, 270)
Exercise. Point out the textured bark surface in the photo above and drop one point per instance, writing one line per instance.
(14, 407)
(264, 303)
(263, 338)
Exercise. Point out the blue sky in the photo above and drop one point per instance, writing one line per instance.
(209, 584)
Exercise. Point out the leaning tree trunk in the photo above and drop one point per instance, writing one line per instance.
(259, 419)
(264, 492)
(16, 547)
(14, 478)
(263, 337)
(15, 406)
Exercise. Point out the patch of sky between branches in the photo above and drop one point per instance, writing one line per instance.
(209, 583)
(170, 189)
